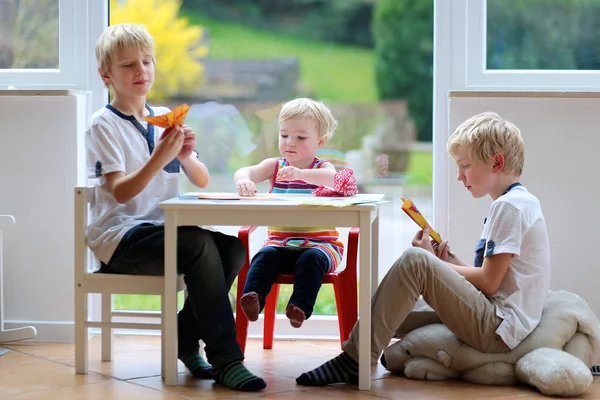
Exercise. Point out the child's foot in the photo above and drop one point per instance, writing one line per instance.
(197, 366)
(250, 306)
(295, 315)
(341, 369)
(235, 376)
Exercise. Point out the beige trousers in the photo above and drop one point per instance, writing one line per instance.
(456, 303)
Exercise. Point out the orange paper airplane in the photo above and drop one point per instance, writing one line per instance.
(174, 118)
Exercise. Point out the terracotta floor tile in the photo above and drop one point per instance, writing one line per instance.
(112, 389)
(13, 358)
(51, 351)
(45, 371)
(193, 388)
(140, 364)
(36, 376)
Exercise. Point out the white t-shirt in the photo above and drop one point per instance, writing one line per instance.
(516, 225)
(114, 144)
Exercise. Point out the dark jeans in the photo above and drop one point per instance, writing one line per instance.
(210, 261)
(308, 265)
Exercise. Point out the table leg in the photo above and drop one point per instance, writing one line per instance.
(364, 302)
(375, 254)
(169, 313)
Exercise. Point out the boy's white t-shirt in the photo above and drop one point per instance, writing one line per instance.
(516, 225)
(114, 144)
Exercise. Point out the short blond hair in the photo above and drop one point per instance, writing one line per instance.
(486, 134)
(312, 109)
(121, 36)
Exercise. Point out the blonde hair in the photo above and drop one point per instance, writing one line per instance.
(486, 134)
(315, 110)
(121, 36)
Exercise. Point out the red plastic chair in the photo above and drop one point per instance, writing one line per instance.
(344, 285)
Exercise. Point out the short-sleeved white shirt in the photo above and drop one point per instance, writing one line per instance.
(114, 144)
(516, 225)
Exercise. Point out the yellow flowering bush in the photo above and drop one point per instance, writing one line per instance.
(177, 45)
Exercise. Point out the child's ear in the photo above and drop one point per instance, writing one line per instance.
(499, 161)
(322, 142)
(104, 75)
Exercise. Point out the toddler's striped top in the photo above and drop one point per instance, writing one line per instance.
(324, 239)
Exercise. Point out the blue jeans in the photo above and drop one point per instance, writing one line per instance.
(210, 261)
(308, 265)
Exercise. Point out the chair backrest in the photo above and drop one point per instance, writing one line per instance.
(84, 196)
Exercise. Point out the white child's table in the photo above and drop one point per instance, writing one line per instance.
(285, 210)
(10, 335)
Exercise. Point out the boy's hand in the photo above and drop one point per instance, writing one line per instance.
(289, 174)
(422, 240)
(246, 187)
(441, 251)
(169, 145)
(189, 143)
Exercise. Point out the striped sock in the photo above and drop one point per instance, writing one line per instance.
(341, 369)
(235, 376)
(197, 366)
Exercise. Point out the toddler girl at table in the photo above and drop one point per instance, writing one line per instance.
(305, 125)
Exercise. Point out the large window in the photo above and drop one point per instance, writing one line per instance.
(29, 34)
(543, 34)
(519, 44)
(238, 61)
(43, 44)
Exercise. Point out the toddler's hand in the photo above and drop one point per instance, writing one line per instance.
(246, 187)
(289, 174)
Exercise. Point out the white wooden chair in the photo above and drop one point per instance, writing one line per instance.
(107, 285)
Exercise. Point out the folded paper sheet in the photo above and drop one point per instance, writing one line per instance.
(174, 118)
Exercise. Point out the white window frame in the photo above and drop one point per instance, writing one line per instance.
(459, 63)
(72, 71)
(470, 20)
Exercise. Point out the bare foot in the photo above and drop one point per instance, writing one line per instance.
(295, 315)
(250, 306)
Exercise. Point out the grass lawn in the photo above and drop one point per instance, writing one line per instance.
(330, 72)
(325, 304)
(420, 169)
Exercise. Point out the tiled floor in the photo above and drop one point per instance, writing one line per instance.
(45, 371)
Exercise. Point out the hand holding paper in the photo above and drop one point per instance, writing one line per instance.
(411, 210)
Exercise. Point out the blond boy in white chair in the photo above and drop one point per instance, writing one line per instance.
(138, 165)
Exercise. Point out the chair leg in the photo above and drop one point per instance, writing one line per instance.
(347, 306)
(107, 333)
(81, 339)
(162, 337)
(269, 315)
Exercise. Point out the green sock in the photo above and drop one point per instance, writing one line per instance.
(341, 369)
(235, 376)
(197, 366)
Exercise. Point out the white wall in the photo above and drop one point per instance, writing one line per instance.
(41, 150)
(561, 152)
